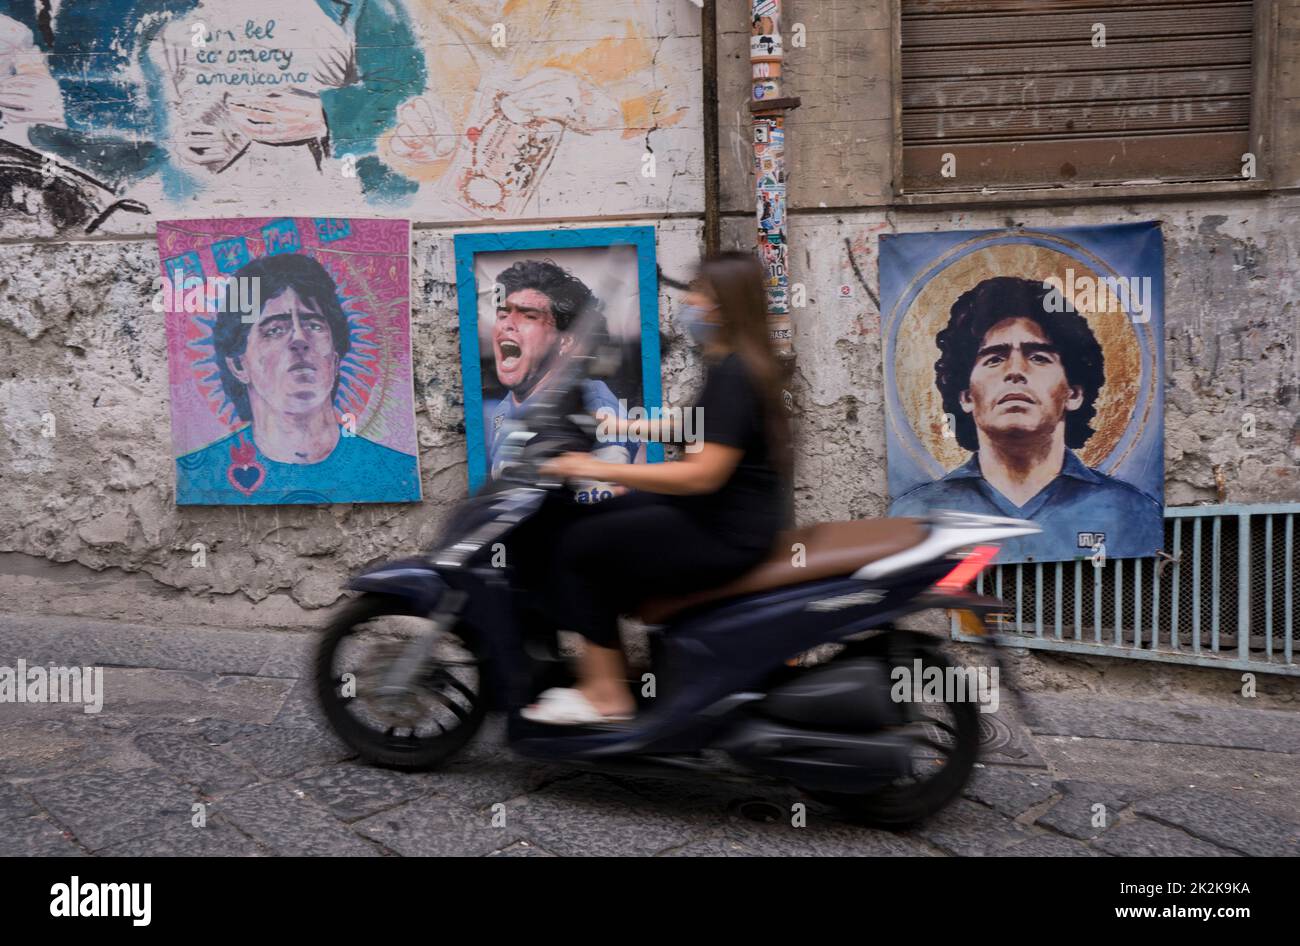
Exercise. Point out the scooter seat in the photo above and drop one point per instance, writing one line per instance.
(830, 549)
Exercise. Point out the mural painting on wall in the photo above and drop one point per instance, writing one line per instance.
(289, 358)
(383, 102)
(521, 295)
(1024, 377)
(48, 169)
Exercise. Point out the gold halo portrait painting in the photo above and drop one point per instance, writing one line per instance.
(1024, 378)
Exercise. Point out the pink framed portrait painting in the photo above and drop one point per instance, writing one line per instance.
(289, 358)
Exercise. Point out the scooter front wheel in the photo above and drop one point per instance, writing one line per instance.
(416, 728)
(946, 740)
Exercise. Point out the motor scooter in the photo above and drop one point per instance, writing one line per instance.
(408, 671)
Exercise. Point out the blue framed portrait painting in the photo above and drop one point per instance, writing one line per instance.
(519, 295)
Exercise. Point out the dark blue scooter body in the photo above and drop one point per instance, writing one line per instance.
(720, 669)
(710, 664)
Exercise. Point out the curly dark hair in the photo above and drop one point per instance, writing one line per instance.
(569, 295)
(275, 274)
(1008, 297)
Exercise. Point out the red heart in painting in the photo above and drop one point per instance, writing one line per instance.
(246, 479)
(244, 472)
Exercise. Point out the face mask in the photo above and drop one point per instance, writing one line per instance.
(696, 321)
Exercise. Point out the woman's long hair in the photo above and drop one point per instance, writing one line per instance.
(736, 280)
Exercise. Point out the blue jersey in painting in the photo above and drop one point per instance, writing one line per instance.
(596, 395)
(1078, 510)
(232, 471)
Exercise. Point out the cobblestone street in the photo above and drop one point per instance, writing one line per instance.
(226, 718)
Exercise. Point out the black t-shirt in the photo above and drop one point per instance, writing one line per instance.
(753, 505)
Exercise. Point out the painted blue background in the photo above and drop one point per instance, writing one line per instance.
(1135, 249)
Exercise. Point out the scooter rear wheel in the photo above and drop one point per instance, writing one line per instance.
(415, 730)
(950, 748)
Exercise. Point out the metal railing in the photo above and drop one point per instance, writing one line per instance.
(1224, 593)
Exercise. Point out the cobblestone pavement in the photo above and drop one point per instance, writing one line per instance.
(226, 718)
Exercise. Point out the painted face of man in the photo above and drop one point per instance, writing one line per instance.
(1018, 386)
(526, 340)
(289, 361)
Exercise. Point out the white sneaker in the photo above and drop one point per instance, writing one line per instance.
(565, 706)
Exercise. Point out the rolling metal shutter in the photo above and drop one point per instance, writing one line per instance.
(1016, 91)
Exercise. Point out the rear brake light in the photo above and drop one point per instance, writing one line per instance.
(968, 568)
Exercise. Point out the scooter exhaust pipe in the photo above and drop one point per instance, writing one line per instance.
(792, 731)
(849, 694)
(821, 761)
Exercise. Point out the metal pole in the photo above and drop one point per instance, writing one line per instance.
(709, 58)
(1244, 589)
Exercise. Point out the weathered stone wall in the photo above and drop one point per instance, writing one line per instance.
(1232, 345)
(99, 492)
(89, 526)
(407, 108)
(1232, 300)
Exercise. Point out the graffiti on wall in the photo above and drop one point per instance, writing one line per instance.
(455, 109)
(47, 168)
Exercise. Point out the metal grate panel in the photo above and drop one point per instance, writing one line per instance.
(1225, 592)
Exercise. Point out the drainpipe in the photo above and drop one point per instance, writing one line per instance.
(709, 59)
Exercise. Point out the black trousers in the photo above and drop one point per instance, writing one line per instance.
(591, 563)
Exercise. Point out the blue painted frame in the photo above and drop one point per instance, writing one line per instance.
(469, 245)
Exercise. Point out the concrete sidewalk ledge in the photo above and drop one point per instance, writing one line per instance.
(33, 585)
(201, 648)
